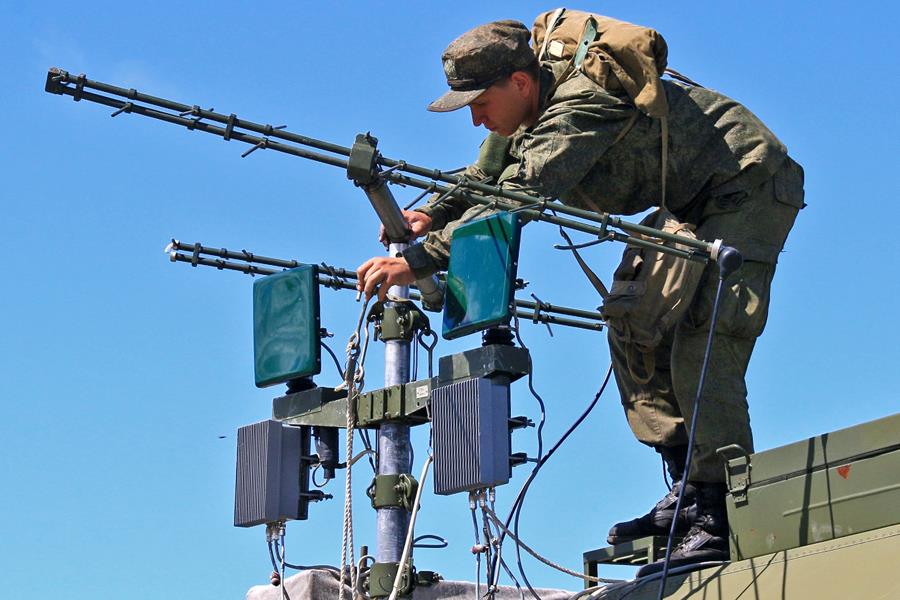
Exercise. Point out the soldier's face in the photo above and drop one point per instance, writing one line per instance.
(504, 106)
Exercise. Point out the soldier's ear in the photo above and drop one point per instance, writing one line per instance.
(523, 82)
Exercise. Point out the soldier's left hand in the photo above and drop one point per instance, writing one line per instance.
(419, 224)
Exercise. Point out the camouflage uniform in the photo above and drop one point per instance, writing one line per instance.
(727, 174)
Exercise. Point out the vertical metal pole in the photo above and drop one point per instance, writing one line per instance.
(393, 443)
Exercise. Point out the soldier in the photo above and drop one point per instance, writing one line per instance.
(590, 147)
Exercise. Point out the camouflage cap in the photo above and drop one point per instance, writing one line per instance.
(479, 58)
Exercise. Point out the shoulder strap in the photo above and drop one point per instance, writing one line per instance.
(554, 21)
(664, 159)
(592, 277)
(680, 77)
(588, 35)
(588, 272)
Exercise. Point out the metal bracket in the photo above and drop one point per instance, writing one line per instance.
(409, 402)
(54, 83)
(397, 491)
(737, 470)
(399, 321)
(428, 578)
(381, 579)
(404, 402)
(325, 407)
(318, 406)
(362, 164)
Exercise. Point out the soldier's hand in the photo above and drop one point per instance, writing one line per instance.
(419, 224)
(380, 273)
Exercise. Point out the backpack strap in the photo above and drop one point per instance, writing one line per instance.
(588, 272)
(588, 34)
(680, 77)
(664, 159)
(554, 21)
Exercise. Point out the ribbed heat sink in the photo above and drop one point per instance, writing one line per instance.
(268, 483)
(470, 425)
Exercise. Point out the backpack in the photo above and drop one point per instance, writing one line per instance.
(651, 292)
(614, 54)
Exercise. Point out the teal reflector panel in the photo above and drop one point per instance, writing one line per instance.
(286, 326)
(484, 255)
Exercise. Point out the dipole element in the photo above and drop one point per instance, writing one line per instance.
(278, 139)
(198, 255)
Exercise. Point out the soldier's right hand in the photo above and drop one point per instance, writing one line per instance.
(419, 224)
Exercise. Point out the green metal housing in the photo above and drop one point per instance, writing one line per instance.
(858, 566)
(822, 488)
(487, 361)
(481, 276)
(286, 326)
(818, 518)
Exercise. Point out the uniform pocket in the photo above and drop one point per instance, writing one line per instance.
(789, 184)
(723, 204)
(744, 307)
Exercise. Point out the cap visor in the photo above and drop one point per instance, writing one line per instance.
(453, 100)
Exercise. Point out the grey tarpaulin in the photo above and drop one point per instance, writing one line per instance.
(323, 585)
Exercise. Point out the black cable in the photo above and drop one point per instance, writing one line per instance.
(513, 577)
(729, 261)
(415, 362)
(488, 561)
(521, 499)
(276, 558)
(524, 489)
(442, 542)
(272, 556)
(540, 427)
(313, 477)
(665, 473)
(337, 363)
(367, 444)
(477, 543)
(503, 562)
(540, 440)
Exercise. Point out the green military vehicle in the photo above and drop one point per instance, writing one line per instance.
(819, 518)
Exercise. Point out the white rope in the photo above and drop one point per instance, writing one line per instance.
(350, 381)
(407, 547)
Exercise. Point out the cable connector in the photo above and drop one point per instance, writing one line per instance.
(520, 422)
(519, 458)
(274, 530)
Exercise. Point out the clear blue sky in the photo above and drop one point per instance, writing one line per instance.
(119, 371)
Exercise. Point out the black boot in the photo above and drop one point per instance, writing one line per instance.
(659, 519)
(707, 539)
